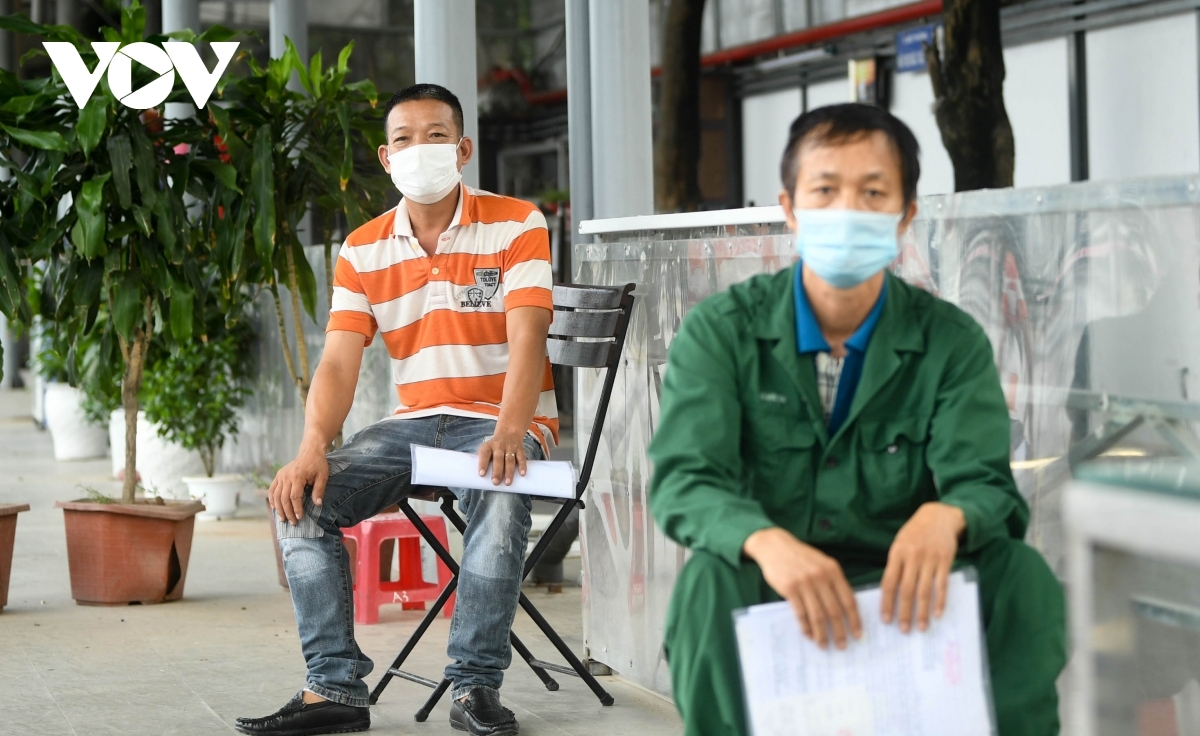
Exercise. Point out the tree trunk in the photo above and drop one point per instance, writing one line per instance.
(208, 456)
(968, 88)
(304, 379)
(131, 383)
(677, 153)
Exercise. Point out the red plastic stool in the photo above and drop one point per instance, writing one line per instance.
(411, 590)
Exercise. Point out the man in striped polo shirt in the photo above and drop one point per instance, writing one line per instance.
(457, 283)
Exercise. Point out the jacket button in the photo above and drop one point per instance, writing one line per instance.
(893, 449)
(824, 524)
(831, 463)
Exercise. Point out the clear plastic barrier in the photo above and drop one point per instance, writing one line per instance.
(1090, 294)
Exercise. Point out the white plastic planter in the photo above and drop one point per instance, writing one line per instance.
(161, 464)
(74, 438)
(219, 494)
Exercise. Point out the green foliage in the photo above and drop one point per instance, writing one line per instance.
(127, 244)
(194, 392)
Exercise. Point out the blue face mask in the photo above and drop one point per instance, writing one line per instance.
(846, 247)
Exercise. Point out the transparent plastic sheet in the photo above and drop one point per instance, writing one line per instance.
(1088, 292)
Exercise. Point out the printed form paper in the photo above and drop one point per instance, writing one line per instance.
(929, 683)
(434, 467)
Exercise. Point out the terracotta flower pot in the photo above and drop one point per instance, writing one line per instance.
(128, 553)
(8, 532)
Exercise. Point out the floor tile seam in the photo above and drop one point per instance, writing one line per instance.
(49, 692)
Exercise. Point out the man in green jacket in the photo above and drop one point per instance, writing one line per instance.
(830, 426)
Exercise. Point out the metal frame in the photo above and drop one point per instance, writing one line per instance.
(540, 668)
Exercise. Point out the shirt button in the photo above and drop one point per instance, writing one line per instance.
(824, 524)
(893, 449)
(831, 463)
(434, 272)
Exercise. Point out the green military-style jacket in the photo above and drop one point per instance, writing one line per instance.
(742, 443)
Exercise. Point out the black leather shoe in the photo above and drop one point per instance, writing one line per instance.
(481, 714)
(298, 718)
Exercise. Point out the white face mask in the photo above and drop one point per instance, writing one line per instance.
(426, 172)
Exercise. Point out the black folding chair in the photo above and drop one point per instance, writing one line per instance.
(599, 315)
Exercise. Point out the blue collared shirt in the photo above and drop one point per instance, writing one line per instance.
(810, 340)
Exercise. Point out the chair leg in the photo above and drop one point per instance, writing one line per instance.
(527, 655)
(565, 651)
(430, 615)
(434, 697)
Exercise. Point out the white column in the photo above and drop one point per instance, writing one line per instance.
(66, 13)
(622, 150)
(289, 19)
(179, 15)
(7, 339)
(579, 114)
(445, 50)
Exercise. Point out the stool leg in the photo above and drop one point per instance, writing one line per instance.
(437, 694)
(411, 577)
(438, 527)
(366, 593)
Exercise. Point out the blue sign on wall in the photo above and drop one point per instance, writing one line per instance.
(910, 48)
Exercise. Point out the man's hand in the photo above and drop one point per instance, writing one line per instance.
(918, 566)
(286, 495)
(811, 581)
(505, 452)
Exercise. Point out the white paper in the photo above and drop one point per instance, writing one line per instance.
(929, 683)
(434, 467)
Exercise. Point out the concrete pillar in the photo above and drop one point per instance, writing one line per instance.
(66, 13)
(623, 154)
(180, 15)
(445, 49)
(579, 114)
(289, 19)
(6, 61)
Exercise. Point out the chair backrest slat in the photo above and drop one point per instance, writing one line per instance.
(578, 354)
(588, 297)
(584, 324)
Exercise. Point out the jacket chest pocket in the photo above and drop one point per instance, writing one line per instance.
(892, 463)
(781, 449)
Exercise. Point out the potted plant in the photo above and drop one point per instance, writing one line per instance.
(193, 396)
(131, 242)
(74, 434)
(8, 532)
(293, 150)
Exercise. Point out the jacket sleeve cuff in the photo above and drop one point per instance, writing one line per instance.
(980, 529)
(728, 540)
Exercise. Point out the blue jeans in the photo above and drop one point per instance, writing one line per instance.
(368, 474)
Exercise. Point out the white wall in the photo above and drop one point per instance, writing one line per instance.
(1035, 95)
(1143, 111)
(912, 102)
(765, 122)
(828, 93)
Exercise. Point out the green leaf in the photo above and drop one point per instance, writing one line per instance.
(314, 74)
(127, 304)
(120, 157)
(181, 303)
(305, 280)
(92, 120)
(144, 166)
(133, 23)
(23, 105)
(47, 140)
(88, 233)
(222, 172)
(343, 62)
(216, 34)
(262, 179)
(88, 282)
(343, 113)
(21, 24)
(141, 217)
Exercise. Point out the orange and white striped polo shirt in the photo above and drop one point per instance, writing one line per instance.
(442, 318)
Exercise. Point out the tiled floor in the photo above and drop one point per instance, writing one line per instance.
(229, 647)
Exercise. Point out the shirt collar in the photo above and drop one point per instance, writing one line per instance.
(462, 214)
(808, 333)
